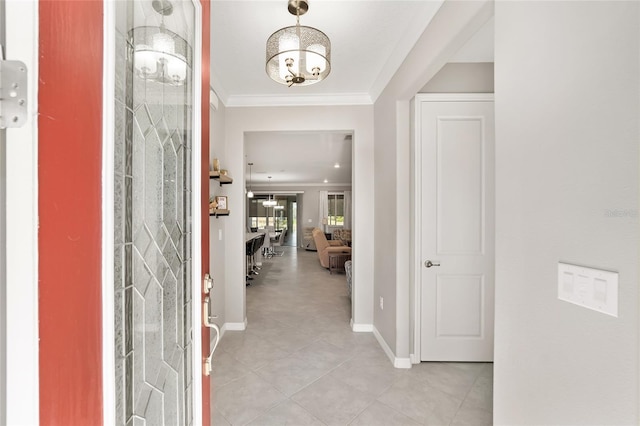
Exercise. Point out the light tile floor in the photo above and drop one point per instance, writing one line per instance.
(299, 363)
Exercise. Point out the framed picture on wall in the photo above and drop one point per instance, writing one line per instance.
(222, 202)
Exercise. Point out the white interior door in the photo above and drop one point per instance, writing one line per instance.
(457, 230)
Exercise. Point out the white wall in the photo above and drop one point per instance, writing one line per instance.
(462, 77)
(453, 25)
(356, 119)
(218, 226)
(567, 132)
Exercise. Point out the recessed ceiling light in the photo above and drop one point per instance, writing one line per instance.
(337, 165)
(326, 181)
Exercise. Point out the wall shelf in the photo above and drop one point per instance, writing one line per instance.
(223, 179)
(219, 212)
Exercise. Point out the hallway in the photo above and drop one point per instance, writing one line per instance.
(299, 363)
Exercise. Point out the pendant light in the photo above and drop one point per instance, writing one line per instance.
(298, 54)
(250, 193)
(269, 202)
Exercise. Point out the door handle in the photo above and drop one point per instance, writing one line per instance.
(429, 263)
(206, 317)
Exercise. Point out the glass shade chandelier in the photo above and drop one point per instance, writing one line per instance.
(159, 54)
(298, 55)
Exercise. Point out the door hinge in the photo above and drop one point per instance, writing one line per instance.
(13, 93)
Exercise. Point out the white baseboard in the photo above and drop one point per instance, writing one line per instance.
(361, 328)
(397, 362)
(414, 359)
(235, 326)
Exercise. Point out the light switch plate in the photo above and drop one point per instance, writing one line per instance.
(588, 287)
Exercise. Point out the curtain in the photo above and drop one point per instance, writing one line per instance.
(347, 209)
(323, 209)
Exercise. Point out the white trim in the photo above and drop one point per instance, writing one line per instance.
(397, 362)
(196, 232)
(235, 326)
(402, 363)
(22, 359)
(108, 141)
(416, 229)
(416, 232)
(299, 100)
(361, 328)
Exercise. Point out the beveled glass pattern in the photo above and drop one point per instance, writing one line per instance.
(152, 232)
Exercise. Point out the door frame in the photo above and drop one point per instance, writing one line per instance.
(108, 297)
(22, 356)
(416, 269)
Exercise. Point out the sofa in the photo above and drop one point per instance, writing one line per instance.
(307, 239)
(325, 247)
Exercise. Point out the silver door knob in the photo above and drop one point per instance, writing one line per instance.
(429, 264)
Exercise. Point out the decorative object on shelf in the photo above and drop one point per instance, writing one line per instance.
(221, 200)
(216, 165)
(213, 205)
(298, 54)
(224, 172)
(159, 54)
(250, 193)
(269, 202)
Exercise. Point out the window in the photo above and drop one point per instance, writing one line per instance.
(261, 216)
(336, 210)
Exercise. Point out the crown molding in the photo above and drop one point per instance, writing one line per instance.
(334, 99)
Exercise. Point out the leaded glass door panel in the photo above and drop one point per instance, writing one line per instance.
(153, 213)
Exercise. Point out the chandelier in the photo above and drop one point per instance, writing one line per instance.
(298, 55)
(159, 54)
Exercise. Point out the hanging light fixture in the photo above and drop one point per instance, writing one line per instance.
(269, 202)
(159, 54)
(298, 55)
(250, 193)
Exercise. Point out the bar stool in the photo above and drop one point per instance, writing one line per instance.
(256, 244)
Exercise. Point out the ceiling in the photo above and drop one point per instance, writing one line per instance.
(306, 158)
(369, 41)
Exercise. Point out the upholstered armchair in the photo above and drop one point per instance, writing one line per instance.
(325, 247)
